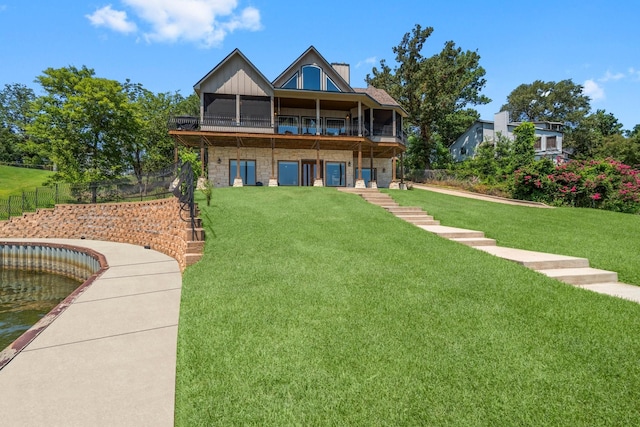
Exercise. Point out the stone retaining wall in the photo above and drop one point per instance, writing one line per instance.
(154, 223)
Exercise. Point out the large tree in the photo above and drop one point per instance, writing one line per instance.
(15, 105)
(87, 123)
(561, 101)
(435, 91)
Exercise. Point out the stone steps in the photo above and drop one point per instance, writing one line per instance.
(571, 270)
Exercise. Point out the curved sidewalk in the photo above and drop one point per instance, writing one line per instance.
(110, 358)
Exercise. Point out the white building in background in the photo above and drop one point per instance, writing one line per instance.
(549, 136)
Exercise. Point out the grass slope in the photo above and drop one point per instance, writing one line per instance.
(14, 180)
(313, 307)
(610, 240)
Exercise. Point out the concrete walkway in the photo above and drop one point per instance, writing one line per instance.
(572, 270)
(110, 358)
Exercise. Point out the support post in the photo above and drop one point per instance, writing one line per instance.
(372, 182)
(237, 182)
(317, 182)
(360, 181)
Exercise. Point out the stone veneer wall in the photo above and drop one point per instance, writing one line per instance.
(155, 223)
(219, 173)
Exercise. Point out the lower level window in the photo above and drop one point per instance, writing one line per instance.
(288, 173)
(247, 171)
(336, 175)
(366, 175)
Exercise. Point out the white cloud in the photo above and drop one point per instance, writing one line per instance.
(610, 76)
(593, 90)
(205, 22)
(112, 19)
(369, 61)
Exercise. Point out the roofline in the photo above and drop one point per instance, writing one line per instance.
(313, 49)
(236, 51)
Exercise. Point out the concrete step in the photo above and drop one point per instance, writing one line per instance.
(537, 260)
(581, 276)
(422, 221)
(416, 218)
(616, 289)
(405, 209)
(451, 232)
(475, 241)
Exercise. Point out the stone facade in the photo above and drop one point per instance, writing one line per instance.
(219, 172)
(154, 223)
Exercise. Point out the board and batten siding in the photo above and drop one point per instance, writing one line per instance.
(237, 77)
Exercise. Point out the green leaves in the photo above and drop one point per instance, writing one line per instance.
(435, 90)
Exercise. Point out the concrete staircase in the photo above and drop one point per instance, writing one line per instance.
(572, 270)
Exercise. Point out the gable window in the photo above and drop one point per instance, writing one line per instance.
(311, 77)
(331, 86)
(292, 83)
(247, 171)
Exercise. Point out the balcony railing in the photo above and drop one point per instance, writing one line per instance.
(263, 124)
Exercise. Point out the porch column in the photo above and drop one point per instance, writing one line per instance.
(394, 133)
(359, 118)
(237, 109)
(402, 186)
(273, 182)
(318, 116)
(175, 151)
(318, 180)
(360, 181)
(370, 122)
(273, 121)
(372, 181)
(237, 182)
(394, 181)
(203, 165)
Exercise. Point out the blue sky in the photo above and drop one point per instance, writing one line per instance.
(168, 45)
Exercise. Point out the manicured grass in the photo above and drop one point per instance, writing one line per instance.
(14, 180)
(313, 307)
(610, 240)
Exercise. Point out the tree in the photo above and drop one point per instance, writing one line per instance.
(561, 101)
(592, 134)
(523, 151)
(15, 105)
(87, 122)
(435, 91)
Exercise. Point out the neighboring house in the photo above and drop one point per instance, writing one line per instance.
(306, 127)
(548, 143)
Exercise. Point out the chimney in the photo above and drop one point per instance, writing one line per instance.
(343, 70)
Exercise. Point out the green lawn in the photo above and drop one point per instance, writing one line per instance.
(14, 180)
(313, 307)
(610, 240)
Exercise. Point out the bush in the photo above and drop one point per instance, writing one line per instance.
(605, 184)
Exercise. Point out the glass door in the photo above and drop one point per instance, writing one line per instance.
(309, 172)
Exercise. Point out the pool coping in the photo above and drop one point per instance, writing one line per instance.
(19, 344)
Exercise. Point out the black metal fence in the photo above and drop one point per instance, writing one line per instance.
(155, 185)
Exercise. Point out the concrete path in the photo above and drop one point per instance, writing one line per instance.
(572, 270)
(485, 197)
(110, 358)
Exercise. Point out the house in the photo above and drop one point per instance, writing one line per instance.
(307, 127)
(548, 143)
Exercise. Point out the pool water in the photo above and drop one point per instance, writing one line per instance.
(26, 297)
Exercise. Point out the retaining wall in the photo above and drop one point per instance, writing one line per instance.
(154, 223)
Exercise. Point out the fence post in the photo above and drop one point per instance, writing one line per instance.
(36, 203)
(9, 208)
(24, 198)
(56, 196)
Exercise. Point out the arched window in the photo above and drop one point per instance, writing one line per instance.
(311, 77)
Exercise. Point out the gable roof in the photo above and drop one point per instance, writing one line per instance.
(227, 59)
(325, 65)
